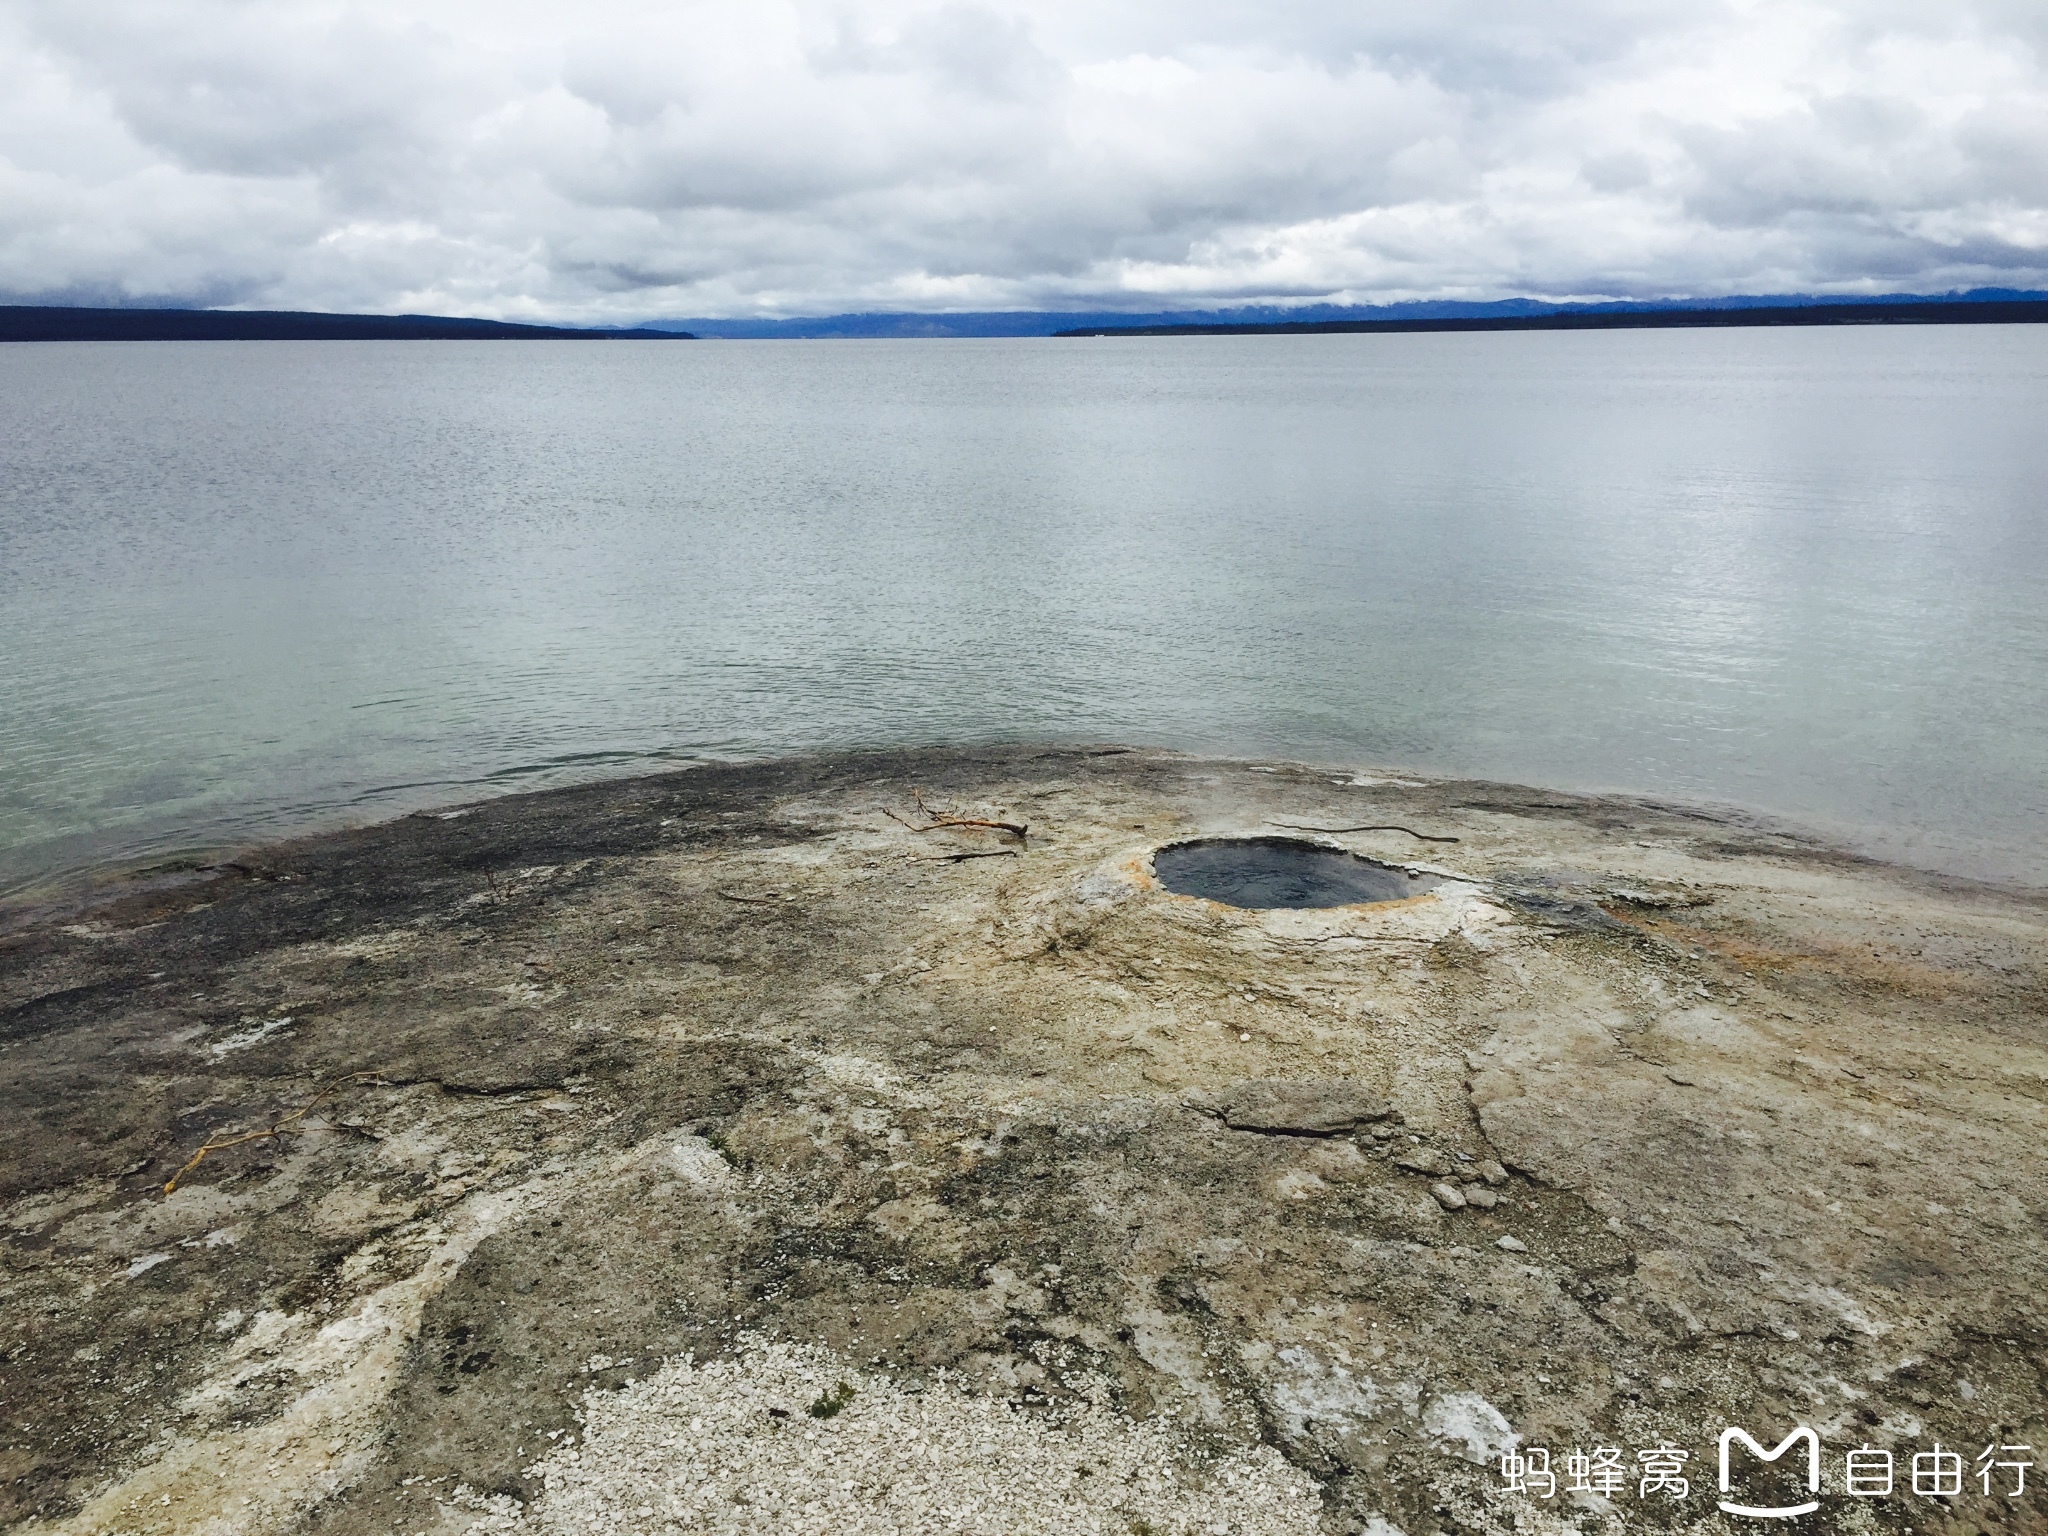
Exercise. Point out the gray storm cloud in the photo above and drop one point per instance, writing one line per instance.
(607, 161)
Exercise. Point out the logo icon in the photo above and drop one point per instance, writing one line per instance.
(1781, 1512)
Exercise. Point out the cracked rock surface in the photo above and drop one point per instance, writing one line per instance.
(645, 1108)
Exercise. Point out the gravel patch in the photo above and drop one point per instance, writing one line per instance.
(787, 1438)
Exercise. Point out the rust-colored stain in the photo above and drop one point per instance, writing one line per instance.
(1847, 962)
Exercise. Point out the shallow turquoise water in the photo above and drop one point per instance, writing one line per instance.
(254, 588)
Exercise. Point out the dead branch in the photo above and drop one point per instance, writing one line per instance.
(286, 1124)
(956, 858)
(1363, 938)
(935, 820)
(752, 901)
(1296, 826)
(939, 819)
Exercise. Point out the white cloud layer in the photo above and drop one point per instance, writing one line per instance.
(606, 160)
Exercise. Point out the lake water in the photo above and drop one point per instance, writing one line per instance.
(249, 589)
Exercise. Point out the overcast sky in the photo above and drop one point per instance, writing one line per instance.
(605, 160)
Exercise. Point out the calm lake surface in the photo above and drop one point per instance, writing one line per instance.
(248, 589)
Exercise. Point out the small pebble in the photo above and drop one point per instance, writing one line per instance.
(1493, 1172)
(1447, 1196)
(1481, 1196)
(1512, 1245)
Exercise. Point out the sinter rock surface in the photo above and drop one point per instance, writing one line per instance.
(721, 1151)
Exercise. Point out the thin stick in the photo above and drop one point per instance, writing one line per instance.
(1017, 830)
(752, 901)
(277, 1127)
(1363, 938)
(955, 858)
(1298, 827)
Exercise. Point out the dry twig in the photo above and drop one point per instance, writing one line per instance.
(1296, 826)
(935, 820)
(1363, 938)
(282, 1125)
(955, 858)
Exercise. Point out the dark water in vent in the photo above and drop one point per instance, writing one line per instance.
(249, 589)
(1281, 872)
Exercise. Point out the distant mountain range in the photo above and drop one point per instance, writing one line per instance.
(1503, 314)
(1912, 312)
(26, 322)
(1978, 305)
